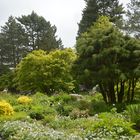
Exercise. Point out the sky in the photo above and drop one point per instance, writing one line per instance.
(64, 14)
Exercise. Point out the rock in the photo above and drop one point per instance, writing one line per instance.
(77, 96)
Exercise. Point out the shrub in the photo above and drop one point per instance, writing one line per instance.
(63, 97)
(36, 115)
(67, 110)
(40, 98)
(21, 107)
(98, 107)
(7, 81)
(37, 112)
(134, 114)
(76, 113)
(60, 108)
(48, 119)
(83, 104)
(24, 100)
(10, 98)
(63, 109)
(111, 126)
(49, 110)
(37, 70)
(5, 108)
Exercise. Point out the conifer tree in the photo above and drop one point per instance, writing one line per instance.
(133, 14)
(96, 8)
(41, 34)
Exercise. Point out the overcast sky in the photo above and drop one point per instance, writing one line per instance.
(65, 14)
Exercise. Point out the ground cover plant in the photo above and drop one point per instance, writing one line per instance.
(63, 117)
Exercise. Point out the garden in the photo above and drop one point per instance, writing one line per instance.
(87, 92)
(66, 117)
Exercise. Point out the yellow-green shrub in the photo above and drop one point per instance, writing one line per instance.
(5, 108)
(24, 100)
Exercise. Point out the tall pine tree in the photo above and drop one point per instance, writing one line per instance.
(96, 8)
(12, 44)
(133, 14)
(41, 35)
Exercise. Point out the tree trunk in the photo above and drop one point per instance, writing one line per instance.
(121, 93)
(128, 92)
(1, 60)
(133, 89)
(112, 92)
(103, 93)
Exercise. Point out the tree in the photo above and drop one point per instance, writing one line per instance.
(133, 15)
(12, 43)
(96, 8)
(103, 56)
(43, 72)
(130, 66)
(41, 35)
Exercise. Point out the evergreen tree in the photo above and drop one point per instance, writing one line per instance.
(133, 14)
(12, 42)
(41, 35)
(96, 8)
(109, 59)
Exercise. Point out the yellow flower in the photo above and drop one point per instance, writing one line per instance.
(5, 108)
(24, 100)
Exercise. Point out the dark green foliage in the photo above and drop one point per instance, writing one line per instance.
(105, 56)
(129, 65)
(83, 104)
(7, 81)
(4, 69)
(98, 106)
(40, 33)
(12, 44)
(36, 115)
(96, 8)
(134, 114)
(64, 110)
(19, 36)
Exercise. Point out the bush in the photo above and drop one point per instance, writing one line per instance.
(63, 97)
(98, 107)
(63, 110)
(48, 119)
(21, 107)
(6, 108)
(83, 104)
(24, 100)
(36, 115)
(111, 126)
(134, 114)
(37, 70)
(7, 81)
(76, 113)
(10, 98)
